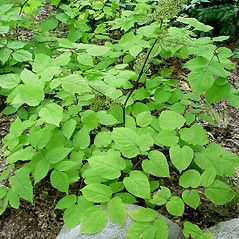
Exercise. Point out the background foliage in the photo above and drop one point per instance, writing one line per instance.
(221, 14)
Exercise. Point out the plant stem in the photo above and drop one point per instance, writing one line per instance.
(140, 75)
(20, 13)
(137, 81)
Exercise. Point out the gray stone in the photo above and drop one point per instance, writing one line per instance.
(113, 231)
(226, 230)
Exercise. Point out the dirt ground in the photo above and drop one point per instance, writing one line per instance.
(37, 221)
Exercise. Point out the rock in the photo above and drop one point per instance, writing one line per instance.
(113, 231)
(226, 230)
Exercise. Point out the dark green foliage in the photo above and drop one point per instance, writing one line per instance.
(223, 15)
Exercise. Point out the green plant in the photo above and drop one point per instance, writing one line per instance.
(84, 116)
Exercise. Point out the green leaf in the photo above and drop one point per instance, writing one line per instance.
(126, 198)
(4, 202)
(106, 119)
(63, 60)
(190, 178)
(230, 156)
(138, 108)
(193, 231)
(85, 59)
(72, 215)
(130, 143)
(193, 22)
(96, 192)
(55, 155)
(157, 165)
(162, 95)
(116, 186)
(9, 81)
(13, 198)
(4, 29)
(134, 44)
(200, 80)
(3, 191)
(208, 177)
(49, 24)
(219, 193)
(162, 230)
(41, 170)
(175, 206)
(66, 202)
(143, 214)
(17, 127)
(51, 113)
(90, 177)
(218, 92)
(142, 230)
(21, 155)
(191, 198)
(103, 139)
(194, 135)
(161, 196)
(196, 63)
(221, 38)
(22, 55)
(39, 137)
(28, 94)
(144, 119)
(4, 55)
(137, 184)
(117, 211)
(75, 84)
(82, 138)
(67, 165)
(29, 78)
(166, 138)
(181, 157)
(97, 50)
(6, 172)
(62, 17)
(21, 183)
(60, 181)
(74, 35)
(93, 220)
(89, 119)
(212, 157)
(107, 166)
(170, 120)
(125, 140)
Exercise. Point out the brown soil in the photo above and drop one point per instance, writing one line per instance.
(37, 221)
